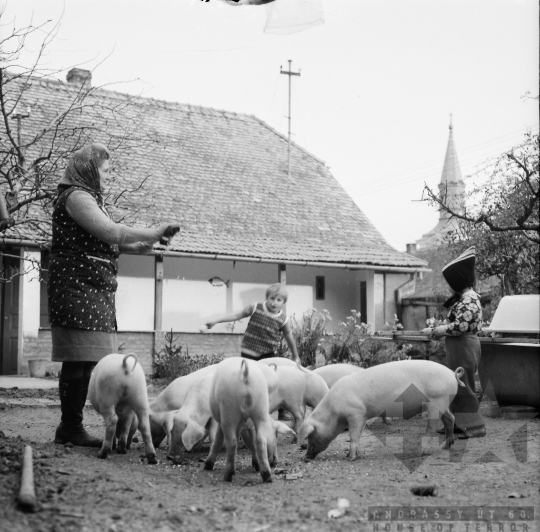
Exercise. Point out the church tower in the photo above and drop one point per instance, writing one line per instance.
(452, 190)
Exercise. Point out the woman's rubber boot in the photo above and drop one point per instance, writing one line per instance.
(71, 429)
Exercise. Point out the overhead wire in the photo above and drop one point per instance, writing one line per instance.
(427, 169)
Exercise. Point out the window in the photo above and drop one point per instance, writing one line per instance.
(319, 287)
(363, 302)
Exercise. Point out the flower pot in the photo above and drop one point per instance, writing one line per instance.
(37, 367)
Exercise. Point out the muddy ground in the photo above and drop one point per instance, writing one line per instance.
(78, 492)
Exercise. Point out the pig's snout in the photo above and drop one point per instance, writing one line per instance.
(176, 459)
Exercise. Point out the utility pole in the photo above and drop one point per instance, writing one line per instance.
(289, 73)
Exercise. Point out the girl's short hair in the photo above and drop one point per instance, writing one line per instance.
(277, 289)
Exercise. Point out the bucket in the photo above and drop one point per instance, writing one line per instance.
(37, 368)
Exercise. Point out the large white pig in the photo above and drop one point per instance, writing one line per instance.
(331, 373)
(239, 402)
(117, 391)
(172, 398)
(296, 390)
(396, 388)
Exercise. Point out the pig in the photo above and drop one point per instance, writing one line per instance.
(188, 426)
(172, 398)
(402, 385)
(296, 390)
(117, 391)
(193, 422)
(331, 373)
(239, 403)
(281, 361)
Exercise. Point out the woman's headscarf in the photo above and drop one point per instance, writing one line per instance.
(82, 169)
(459, 273)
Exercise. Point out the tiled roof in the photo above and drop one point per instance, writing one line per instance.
(223, 177)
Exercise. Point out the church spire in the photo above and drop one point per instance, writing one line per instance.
(451, 190)
(451, 186)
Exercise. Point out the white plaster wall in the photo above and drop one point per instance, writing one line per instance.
(135, 294)
(378, 300)
(189, 299)
(30, 294)
(135, 304)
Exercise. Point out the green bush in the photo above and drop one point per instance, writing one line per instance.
(170, 362)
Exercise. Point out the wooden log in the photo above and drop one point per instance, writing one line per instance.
(27, 494)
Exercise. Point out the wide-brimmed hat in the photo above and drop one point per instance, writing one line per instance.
(459, 273)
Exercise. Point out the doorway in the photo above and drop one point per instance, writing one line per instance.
(10, 280)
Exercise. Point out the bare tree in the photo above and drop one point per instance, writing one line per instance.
(38, 136)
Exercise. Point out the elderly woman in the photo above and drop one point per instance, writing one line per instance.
(83, 267)
(462, 346)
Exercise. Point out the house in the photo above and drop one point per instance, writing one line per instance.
(245, 224)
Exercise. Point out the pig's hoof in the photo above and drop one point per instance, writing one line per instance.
(228, 477)
(209, 466)
(151, 459)
(121, 451)
(303, 446)
(103, 455)
(266, 476)
(255, 465)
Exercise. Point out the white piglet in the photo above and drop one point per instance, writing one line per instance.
(117, 391)
(190, 425)
(239, 402)
(398, 389)
(164, 406)
(296, 390)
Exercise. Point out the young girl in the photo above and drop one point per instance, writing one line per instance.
(266, 327)
(462, 345)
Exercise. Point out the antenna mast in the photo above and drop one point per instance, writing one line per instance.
(289, 73)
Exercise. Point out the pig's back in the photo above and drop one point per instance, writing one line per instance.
(232, 395)
(378, 387)
(173, 397)
(278, 361)
(331, 373)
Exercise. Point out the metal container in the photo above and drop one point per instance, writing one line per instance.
(509, 368)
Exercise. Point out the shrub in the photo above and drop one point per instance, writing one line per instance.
(346, 339)
(307, 335)
(372, 352)
(170, 363)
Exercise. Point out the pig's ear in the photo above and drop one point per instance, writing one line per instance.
(305, 430)
(281, 428)
(192, 434)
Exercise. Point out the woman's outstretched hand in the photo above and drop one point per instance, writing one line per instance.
(167, 231)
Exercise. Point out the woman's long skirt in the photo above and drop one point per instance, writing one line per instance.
(465, 351)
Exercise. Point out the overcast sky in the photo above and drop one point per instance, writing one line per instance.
(379, 79)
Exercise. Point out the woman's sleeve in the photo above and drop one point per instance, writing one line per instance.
(466, 317)
(83, 208)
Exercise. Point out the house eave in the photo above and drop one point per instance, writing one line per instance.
(380, 268)
(342, 265)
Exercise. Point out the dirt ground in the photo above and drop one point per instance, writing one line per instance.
(78, 492)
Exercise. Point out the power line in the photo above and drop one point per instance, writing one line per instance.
(428, 168)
